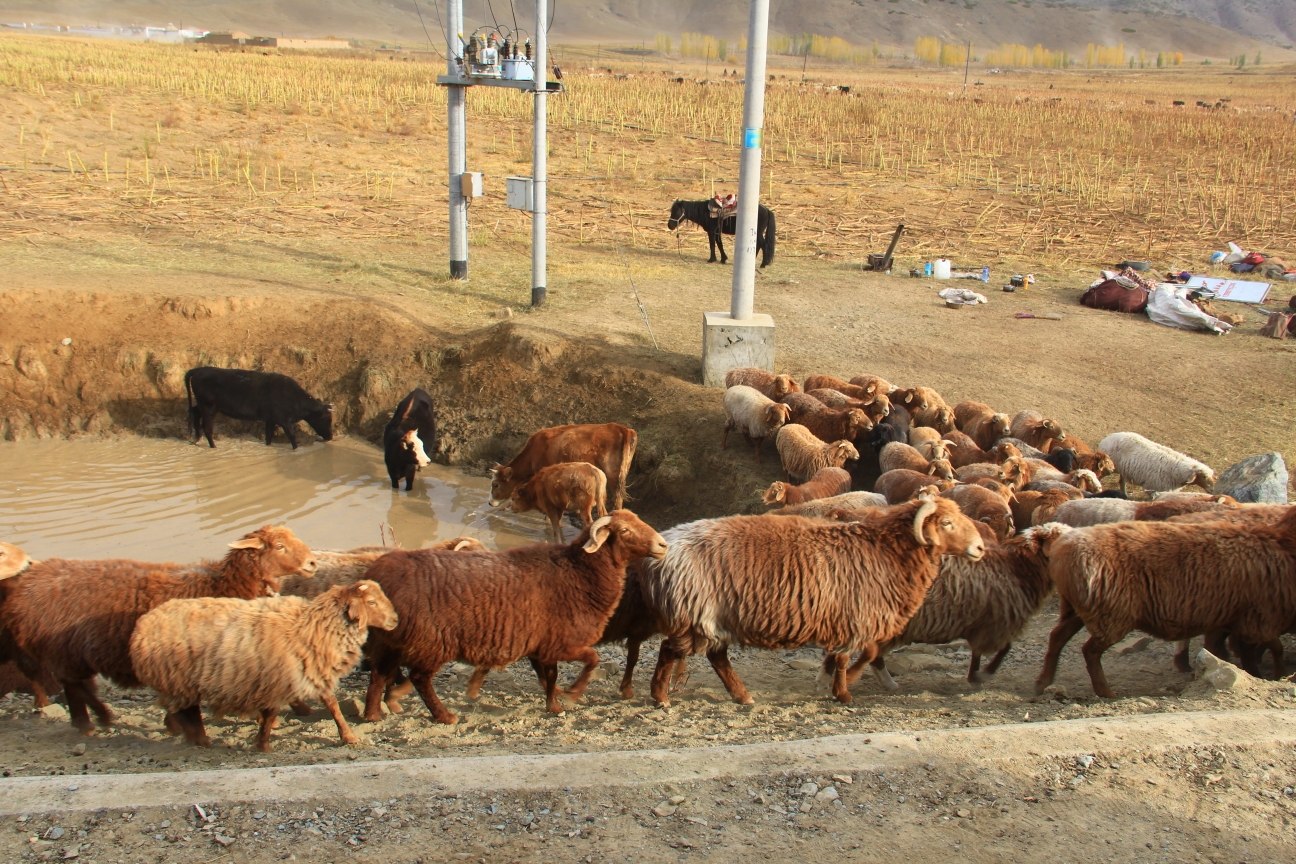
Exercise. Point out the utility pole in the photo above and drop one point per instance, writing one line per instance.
(743, 338)
(749, 171)
(456, 123)
(540, 156)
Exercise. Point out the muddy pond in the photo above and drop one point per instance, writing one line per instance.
(164, 499)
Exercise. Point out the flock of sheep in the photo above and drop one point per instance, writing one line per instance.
(913, 522)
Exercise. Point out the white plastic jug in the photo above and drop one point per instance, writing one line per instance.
(941, 268)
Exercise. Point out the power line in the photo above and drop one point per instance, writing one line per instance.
(425, 30)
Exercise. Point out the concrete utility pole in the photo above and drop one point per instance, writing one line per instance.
(456, 123)
(540, 157)
(743, 338)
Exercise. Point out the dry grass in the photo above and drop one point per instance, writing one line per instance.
(1062, 169)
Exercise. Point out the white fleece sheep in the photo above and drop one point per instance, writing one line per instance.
(802, 454)
(1084, 512)
(753, 413)
(818, 508)
(250, 657)
(1154, 466)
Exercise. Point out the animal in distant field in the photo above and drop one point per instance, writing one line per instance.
(607, 446)
(268, 397)
(699, 213)
(409, 435)
(578, 487)
(250, 657)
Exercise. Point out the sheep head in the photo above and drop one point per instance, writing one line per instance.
(12, 560)
(783, 385)
(628, 536)
(841, 452)
(1003, 451)
(775, 494)
(1101, 464)
(1000, 523)
(367, 606)
(1086, 481)
(1205, 479)
(776, 414)
(1000, 426)
(882, 403)
(935, 450)
(276, 552)
(939, 526)
(857, 421)
(1052, 427)
(941, 468)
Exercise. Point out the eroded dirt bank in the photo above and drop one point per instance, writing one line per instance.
(123, 371)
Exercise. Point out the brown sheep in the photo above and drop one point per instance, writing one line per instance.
(802, 454)
(14, 665)
(1036, 508)
(1242, 514)
(773, 386)
(1171, 581)
(555, 489)
(826, 483)
(1036, 429)
(827, 382)
(983, 505)
(1067, 441)
(785, 583)
(249, 657)
(897, 455)
(873, 384)
(979, 422)
(1007, 493)
(75, 618)
(1013, 472)
(824, 422)
(548, 603)
(964, 451)
(902, 485)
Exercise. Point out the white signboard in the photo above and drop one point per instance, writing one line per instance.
(1231, 289)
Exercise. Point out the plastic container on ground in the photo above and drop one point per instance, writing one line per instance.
(941, 268)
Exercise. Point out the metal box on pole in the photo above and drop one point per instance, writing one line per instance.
(470, 184)
(520, 193)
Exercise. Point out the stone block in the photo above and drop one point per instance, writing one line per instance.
(728, 344)
(1256, 480)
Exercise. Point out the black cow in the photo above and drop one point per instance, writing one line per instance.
(409, 435)
(274, 399)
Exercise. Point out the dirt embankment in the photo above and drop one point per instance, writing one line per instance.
(123, 370)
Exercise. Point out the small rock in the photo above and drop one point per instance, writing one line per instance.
(805, 807)
(808, 789)
(222, 840)
(55, 833)
(1085, 761)
(71, 852)
(506, 312)
(663, 810)
(695, 820)
(1221, 675)
(166, 823)
(843, 778)
(901, 664)
(1256, 480)
(78, 750)
(828, 793)
(676, 800)
(963, 814)
(803, 665)
(67, 342)
(1132, 645)
(53, 711)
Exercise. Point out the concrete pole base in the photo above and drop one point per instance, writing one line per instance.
(538, 295)
(728, 344)
(458, 269)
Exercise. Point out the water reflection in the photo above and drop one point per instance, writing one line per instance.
(165, 499)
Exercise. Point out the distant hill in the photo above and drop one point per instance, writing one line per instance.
(1198, 28)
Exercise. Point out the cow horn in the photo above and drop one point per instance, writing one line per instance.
(927, 509)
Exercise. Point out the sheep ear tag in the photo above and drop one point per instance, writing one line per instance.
(598, 534)
(252, 542)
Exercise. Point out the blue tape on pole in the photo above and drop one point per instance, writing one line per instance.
(751, 138)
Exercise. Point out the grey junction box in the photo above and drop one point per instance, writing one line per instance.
(520, 193)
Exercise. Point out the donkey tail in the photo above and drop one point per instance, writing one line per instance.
(767, 258)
